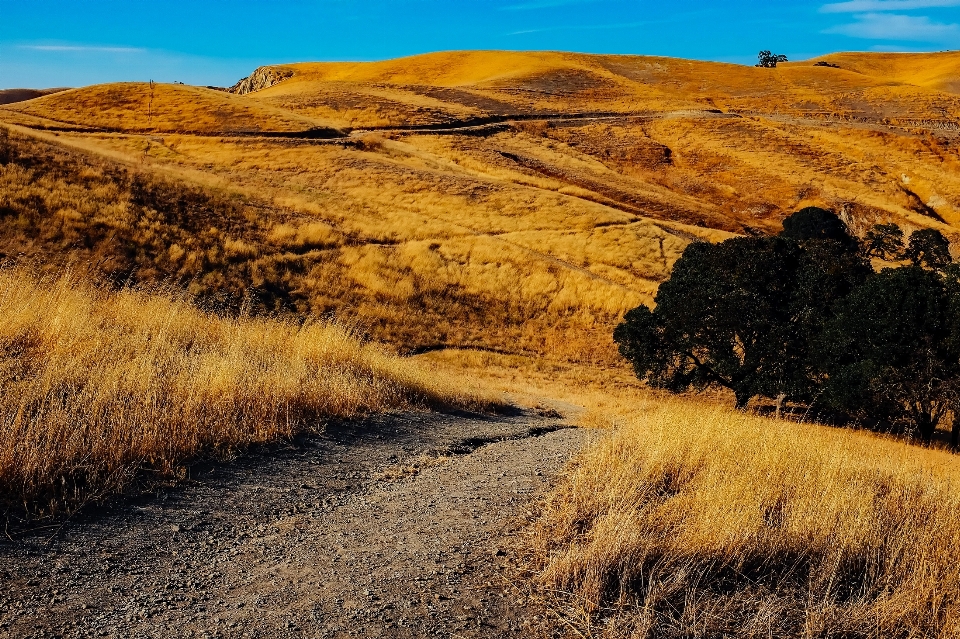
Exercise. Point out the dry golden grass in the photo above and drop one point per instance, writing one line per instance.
(98, 386)
(932, 70)
(417, 269)
(693, 520)
(546, 229)
(160, 108)
(508, 253)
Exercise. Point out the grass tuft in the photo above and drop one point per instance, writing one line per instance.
(99, 385)
(698, 521)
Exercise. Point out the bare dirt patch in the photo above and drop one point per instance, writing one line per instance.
(396, 527)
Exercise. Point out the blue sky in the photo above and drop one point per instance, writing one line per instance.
(76, 42)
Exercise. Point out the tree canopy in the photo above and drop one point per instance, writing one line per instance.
(802, 316)
(722, 318)
(892, 353)
(769, 60)
(740, 314)
(928, 247)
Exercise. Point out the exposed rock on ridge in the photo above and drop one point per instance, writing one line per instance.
(262, 78)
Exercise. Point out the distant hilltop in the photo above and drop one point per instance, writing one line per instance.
(10, 96)
(726, 147)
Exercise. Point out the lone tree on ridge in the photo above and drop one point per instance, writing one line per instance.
(769, 60)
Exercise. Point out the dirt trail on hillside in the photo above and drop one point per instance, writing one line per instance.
(396, 527)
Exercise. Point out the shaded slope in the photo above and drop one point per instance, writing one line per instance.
(11, 96)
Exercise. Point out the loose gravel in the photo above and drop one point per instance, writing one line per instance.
(396, 527)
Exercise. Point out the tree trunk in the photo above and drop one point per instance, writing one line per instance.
(780, 398)
(926, 426)
(954, 429)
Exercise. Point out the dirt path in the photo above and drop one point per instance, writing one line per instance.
(395, 528)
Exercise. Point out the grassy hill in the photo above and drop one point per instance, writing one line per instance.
(158, 108)
(9, 96)
(938, 71)
(495, 214)
(542, 193)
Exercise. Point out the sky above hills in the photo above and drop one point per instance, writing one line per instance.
(46, 43)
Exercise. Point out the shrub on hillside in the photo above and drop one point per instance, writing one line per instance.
(928, 247)
(884, 241)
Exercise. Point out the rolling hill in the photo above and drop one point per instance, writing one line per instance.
(485, 215)
(539, 194)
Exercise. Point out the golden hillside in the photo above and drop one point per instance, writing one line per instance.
(938, 71)
(539, 194)
(157, 108)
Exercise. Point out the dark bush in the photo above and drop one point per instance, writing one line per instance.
(814, 223)
(928, 247)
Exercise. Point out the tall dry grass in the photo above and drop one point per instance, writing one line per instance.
(99, 385)
(692, 520)
(411, 279)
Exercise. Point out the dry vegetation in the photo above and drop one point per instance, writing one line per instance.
(99, 386)
(692, 520)
(509, 243)
(583, 179)
(414, 280)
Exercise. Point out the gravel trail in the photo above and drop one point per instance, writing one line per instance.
(395, 527)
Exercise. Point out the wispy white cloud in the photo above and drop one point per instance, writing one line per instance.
(80, 48)
(869, 6)
(893, 26)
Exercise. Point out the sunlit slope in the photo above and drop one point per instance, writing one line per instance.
(393, 238)
(940, 71)
(162, 108)
(445, 87)
(541, 194)
(452, 68)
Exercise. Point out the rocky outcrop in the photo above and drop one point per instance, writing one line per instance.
(261, 79)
